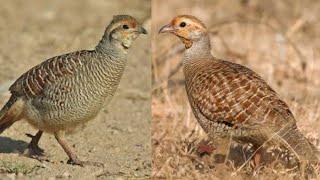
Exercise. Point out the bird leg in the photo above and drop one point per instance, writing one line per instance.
(73, 159)
(33, 148)
(256, 159)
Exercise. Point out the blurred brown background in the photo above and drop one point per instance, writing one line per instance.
(277, 39)
(35, 30)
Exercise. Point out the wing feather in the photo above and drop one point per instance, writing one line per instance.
(33, 82)
(235, 95)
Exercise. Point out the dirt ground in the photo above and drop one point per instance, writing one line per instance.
(277, 39)
(32, 31)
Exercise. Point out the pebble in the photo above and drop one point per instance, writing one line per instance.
(117, 149)
(66, 174)
(129, 129)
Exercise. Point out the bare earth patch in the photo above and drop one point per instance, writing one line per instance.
(32, 31)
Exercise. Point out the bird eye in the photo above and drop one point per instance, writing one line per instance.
(125, 26)
(183, 24)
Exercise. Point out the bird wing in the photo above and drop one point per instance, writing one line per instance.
(33, 82)
(232, 94)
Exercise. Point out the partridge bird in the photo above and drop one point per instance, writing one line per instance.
(68, 90)
(230, 100)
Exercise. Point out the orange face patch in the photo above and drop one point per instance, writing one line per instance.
(130, 23)
(192, 19)
(184, 31)
(133, 24)
(174, 22)
(192, 24)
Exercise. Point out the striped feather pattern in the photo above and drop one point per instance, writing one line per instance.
(229, 99)
(232, 94)
(33, 82)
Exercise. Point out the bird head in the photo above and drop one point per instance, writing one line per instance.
(123, 30)
(188, 28)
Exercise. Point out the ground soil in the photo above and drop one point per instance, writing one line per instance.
(32, 31)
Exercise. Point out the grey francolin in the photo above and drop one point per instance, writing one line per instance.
(68, 90)
(230, 100)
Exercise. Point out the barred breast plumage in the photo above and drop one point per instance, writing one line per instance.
(68, 90)
(229, 99)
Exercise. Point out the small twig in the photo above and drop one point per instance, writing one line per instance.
(162, 167)
(176, 48)
(296, 26)
(229, 149)
(175, 70)
(165, 82)
(190, 156)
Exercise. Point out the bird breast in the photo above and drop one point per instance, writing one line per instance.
(78, 98)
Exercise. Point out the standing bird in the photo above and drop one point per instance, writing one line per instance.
(230, 100)
(66, 91)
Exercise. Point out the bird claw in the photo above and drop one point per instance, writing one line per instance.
(35, 152)
(30, 135)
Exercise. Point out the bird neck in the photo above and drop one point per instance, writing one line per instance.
(200, 49)
(196, 56)
(107, 67)
(110, 59)
(111, 47)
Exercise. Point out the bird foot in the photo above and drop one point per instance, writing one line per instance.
(84, 163)
(256, 162)
(204, 148)
(35, 150)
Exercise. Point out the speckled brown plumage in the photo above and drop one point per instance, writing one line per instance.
(32, 83)
(229, 99)
(66, 91)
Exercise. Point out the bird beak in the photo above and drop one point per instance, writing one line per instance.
(142, 30)
(166, 28)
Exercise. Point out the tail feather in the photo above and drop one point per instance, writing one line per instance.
(5, 126)
(10, 113)
(299, 144)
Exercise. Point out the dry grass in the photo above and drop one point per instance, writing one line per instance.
(35, 30)
(277, 39)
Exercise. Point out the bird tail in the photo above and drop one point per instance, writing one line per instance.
(10, 112)
(299, 144)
